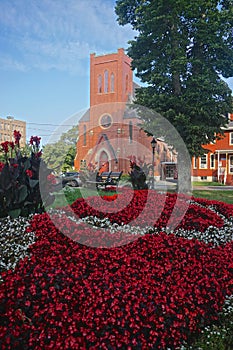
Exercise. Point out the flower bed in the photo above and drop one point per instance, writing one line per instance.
(152, 292)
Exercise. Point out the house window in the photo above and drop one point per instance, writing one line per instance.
(212, 161)
(194, 162)
(203, 161)
(84, 135)
(112, 82)
(105, 81)
(231, 164)
(231, 138)
(130, 132)
(99, 83)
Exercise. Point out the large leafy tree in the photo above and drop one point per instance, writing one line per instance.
(60, 155)
(182, 51)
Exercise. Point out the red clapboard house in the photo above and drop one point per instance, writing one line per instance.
(217, 163)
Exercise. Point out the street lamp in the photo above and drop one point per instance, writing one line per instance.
(153, 144)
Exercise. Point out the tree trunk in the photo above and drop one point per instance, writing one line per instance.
(184, 173)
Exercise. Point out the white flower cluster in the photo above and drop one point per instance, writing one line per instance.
(215, 331)
(113, 228)
(212, 235)
(14, 241)
(98, 223)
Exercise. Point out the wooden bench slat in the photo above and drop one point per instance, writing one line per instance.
(105, 179)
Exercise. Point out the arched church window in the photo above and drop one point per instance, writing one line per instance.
(105, 81)
(126, 83)
(112, 82)
(84, 135)
(100, 83)
(130, 132)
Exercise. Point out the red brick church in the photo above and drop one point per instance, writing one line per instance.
(110, 131)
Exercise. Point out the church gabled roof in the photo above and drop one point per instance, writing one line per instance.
(104, 137)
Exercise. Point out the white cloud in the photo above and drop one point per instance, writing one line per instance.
(58, 34)
(10, 63)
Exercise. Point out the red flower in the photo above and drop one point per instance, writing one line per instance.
(5, 146)
(12, 145)
(1, 166)
(17, 137)
(15, 165)
(35, 140)
(29, 173)
(52, 179)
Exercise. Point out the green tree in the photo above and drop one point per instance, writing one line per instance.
(60, 155)
(182, 51)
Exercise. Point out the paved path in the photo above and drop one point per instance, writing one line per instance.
(173, 184)
(213, 188)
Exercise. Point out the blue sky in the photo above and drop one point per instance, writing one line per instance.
(45, 47)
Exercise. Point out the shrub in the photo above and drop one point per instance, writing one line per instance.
(21, 178)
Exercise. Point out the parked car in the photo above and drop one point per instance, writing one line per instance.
(71, 179)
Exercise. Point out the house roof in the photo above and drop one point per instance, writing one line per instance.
(229, 125)
(130, 114)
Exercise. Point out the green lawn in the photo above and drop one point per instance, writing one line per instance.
(206, 183)
(218, 195)
(71, 194)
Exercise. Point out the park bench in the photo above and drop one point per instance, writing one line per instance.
(105, 179)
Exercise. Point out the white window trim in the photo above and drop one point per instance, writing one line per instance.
(203, 166)
(194, 162)
(231, 138)
(230, 167)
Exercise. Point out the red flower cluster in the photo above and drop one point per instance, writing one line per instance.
(52, 179)
(152, 293)
(17, 137)
(148, 208)
(29, 173)
(222, 208)
(1, 166)
(35, 140)
(5, 146)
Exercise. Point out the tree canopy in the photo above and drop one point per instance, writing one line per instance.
(182, 50)
(60, 155)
